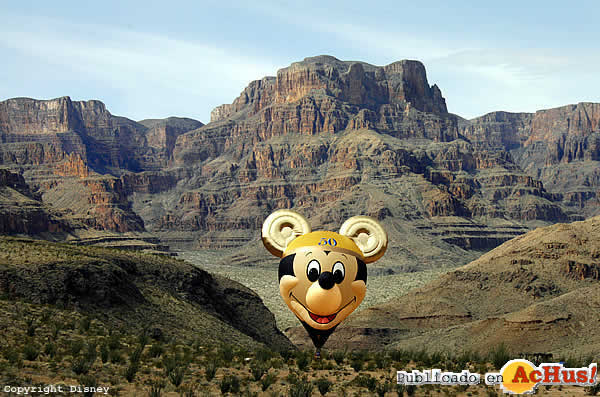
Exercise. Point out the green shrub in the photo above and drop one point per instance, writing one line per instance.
(156, 387)
(499, 356)
(323, 384)
(177, 374)
(339, 356)
(175, 368)
(230, 384)
(267, 381)
(593, 390)
(104, 352)
(421, 357)
(136, 355)
(436, 359)
(12, 355)
(80, 365)
(226, 353)
(257, 369)
(143, 338)
(490, 392)
(76, 346)
(400, 389)
(400, 356)
(84, 324)
(382, 360)
(210, 369)
(89, 381)
(275, 363)
(116, 357)
(357, 363)
(366, 381)
(301, 388)
(264, 355)
(114, 342)
(91, 352)
(573, 362)
(31, 326)
(383, 388)
(50, 349)
(131, 371)
(287, 354)
(56, 328)
(302, 360)
(156, 349)
(30, 351)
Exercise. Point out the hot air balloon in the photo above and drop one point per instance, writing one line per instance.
(322, 274)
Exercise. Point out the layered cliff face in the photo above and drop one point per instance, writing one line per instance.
(325, 95)
(331, 139)
(560, 147)
(22, 212)
(334, 139)
(67, 151)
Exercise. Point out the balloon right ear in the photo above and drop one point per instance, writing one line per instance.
(368, 234)
(280, 228)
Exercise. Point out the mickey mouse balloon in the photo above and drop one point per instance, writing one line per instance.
(322, 274)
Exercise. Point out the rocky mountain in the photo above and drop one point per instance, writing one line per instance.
(537, 293)
(83, 162)
(329, 138)
(560, 147)
(23, 212)
(131, 292)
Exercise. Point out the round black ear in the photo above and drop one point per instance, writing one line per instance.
(286, 266)
(361, 272)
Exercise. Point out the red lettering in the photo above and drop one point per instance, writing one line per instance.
(535, 376)
(552, 371)
(520, 374)
(582, 376)
(569, 376)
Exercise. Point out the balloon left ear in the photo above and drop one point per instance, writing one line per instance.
(368, 234)
(280, 228)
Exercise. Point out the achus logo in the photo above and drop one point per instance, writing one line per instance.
(521, 376)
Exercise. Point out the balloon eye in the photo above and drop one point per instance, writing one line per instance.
(313, 270)
(339, 272)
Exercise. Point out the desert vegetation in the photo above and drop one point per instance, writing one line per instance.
(44, 345)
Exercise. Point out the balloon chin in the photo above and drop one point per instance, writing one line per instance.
(323, 321)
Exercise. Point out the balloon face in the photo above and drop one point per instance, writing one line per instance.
(322, 286)
(322, 275)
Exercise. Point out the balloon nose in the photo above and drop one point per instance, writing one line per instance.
(321, 301)
(326, 280)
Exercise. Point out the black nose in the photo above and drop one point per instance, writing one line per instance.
(326, 280)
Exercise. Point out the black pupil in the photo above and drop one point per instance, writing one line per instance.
(338, 276)
(313, 274)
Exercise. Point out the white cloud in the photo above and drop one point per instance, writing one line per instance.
(474, 76)
(480, 81)
(388, 44)
(134, 59)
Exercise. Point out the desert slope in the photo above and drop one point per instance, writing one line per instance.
(132, 292)
(538, 292)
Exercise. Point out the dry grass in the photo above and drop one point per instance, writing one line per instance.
(72, 349)
(264, 281)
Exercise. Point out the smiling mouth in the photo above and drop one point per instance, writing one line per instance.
(322, 319)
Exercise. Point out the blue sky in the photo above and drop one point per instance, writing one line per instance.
(154, 59)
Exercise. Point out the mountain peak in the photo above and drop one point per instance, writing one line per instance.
(327, 79)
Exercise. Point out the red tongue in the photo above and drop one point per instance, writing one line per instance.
(322, 319)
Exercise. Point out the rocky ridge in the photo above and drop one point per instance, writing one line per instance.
(135, 292)
(330, 138)
(83, 162)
